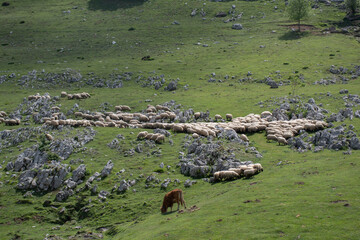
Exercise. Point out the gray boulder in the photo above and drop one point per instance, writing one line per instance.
(124, 186)
(79, 173)
(357, 113)
(172, 86)
(107, 169)
(354, 143)
(237, 26)
(63, 195)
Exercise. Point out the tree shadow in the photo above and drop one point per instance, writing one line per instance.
(112, 5)
(293, 35)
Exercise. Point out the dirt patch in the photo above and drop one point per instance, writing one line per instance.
(249, 201)
(191, 209)
(299, 183)
(303, 27)
(339, 201)
(20, 220)
(38, 218)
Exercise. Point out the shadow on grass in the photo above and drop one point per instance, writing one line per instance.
(293, 35)
(112, 5)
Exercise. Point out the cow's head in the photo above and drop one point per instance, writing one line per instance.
(163, 209)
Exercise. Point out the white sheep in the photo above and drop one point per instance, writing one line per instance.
(160, 138)
(63, 94)
(218, 117)
(142, 135)
(225, 175)
(244, 137)
(271, 137)
(143, 118)
(258, 167)
(49, 137)
(239, 171)
(229, 116)
(197, 115)
(195, 135)
(248, 173)
(177, 128)
(265, 114)
(282, 140)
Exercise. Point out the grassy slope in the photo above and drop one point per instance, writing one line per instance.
(327, 176)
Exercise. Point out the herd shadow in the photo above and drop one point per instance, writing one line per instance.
(112, 5)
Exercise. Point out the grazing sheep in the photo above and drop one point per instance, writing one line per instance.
(12, 122)
(149, 136)
(211, 133)
(265, 114)
(282, 140)
(63, 94)
(218, 117)
(271, 137)
(160, 138)
(143, 118)
(310, 127)
(177, 128)
(197, 115)
(239, 171)
(244, 137)
(49, 137)
(288, 134)
(154, 136)
(195, 135)
(248, 173)
(229, 116)
(258, 167)
(125, 108)
(3, 114)
(225, 175)
(142, 135)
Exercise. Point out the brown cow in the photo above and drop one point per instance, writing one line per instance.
(174, 196)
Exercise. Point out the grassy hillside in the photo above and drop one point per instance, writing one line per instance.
(298, 196)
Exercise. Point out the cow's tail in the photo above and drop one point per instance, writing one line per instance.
(182, 201)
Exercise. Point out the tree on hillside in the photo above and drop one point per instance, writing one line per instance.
(351, 6)
(298, 9)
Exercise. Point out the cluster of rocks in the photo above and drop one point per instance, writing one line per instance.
(114, 80)
(47, 178)
(35, 79)
(158, 82)
(295, 108)
(10, 138)
(66, 146)
(351, 100)
(341, 115)
(340, 75)
(36, 107)
(213, 78)
(338, 138)
(68, 78)
(203, 159)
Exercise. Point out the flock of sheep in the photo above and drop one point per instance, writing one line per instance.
(38, 96)
(157, 137)
(246, 171)
(8, 122)
(82, 95)
(162, 117)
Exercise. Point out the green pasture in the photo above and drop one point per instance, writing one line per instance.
(298, 196)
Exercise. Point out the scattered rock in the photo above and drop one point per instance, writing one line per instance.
(237, 26)
(107, 169)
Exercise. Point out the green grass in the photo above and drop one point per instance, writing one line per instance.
(296, 199)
